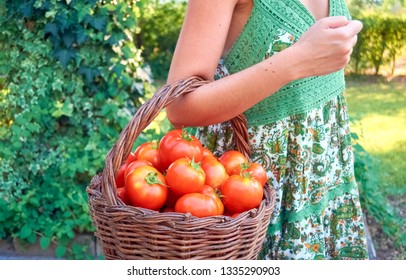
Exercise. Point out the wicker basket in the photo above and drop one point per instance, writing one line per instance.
(127, 232)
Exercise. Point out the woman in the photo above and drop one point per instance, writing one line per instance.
(281, 63)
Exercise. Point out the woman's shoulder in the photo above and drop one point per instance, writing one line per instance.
(201, 41)
(245, 2)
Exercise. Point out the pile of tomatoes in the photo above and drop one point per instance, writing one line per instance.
(177, 174)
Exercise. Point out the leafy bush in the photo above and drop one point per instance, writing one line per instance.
(160, 27)
(381, 42)
(71, 77)
(372, 198)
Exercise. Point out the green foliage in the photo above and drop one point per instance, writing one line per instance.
(376, 5)
(160, 26)
(71, 77)
(372, 198)
(381, 42)
(378, 110)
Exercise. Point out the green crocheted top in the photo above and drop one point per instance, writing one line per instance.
(267, 18)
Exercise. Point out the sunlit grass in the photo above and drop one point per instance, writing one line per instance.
(378, 111)
(382, 133)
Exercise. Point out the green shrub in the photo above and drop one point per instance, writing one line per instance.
(71, 77)
(380, 43)
(372, 198)
(160, 27)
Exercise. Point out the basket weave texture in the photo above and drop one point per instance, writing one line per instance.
(134, 233)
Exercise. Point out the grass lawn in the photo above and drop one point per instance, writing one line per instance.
(378, 112)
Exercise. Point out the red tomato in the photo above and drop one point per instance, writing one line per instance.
(168, 209)
(172, 198)
(256, 170)
(130, 158)
(179, 144)
(122, 195)
(215, 194)
(133, 165)
(215, 172)
(241, 193)
(231, 160)
(149, 151)
(235, 215)
(146, 187)
(207, 152)
(120, 178)
(197, 204)
(227, 213)
(185, 176)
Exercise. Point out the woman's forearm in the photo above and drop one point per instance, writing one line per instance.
(226, 98)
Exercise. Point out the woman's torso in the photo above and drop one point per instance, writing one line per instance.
(253, 37)
(242, 11)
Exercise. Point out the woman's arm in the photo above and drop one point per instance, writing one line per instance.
(323, 49)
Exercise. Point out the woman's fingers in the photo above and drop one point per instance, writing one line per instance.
(352, 28)
(333, 22)
(357, 25)
(354, 40)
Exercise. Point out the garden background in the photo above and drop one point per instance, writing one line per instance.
(73, 73)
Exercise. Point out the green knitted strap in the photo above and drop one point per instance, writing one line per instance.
(267, 18)
(310, 209)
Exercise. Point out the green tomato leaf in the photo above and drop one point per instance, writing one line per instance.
(60, 251)
(404, 239)
(44, 242)
(25, 231)
(70, 234)
(32, 238)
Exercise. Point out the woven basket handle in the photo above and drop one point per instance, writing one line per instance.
(144, 116)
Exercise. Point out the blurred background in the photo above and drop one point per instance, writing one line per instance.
(73, 73)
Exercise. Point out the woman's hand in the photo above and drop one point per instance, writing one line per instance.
(326, 46)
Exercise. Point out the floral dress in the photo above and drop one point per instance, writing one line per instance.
(309, 161)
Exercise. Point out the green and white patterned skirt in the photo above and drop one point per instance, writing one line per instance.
(309, 160)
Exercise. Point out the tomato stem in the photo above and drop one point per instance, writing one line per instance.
(154, 144)
(244, 165)
(186, 135)
(196, 165)
(218, 193)
(246, 174)
(152, 179)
